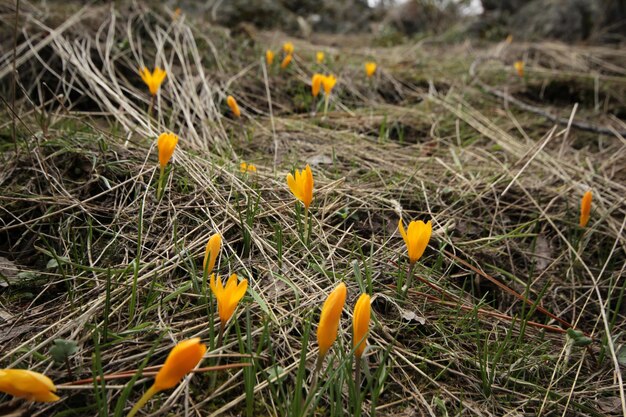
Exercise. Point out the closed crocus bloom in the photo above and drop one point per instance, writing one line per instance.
(319, 57)
(269, 57)
(361, 324)
(509, 39)
(286, 62)
(180, 361)
(316, 84)
(328, 82)
(228, 296)
(288, 48)
(416, 238)
(32, 386)
(234, 107)
(211, 252)
(519, 67)
(585, 209)
(153, 80)
(301, 185)
(166, 144)
(370, 68)
(329, 319)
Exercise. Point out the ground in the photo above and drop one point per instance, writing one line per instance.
(445, 131)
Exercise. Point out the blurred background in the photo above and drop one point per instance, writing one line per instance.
(595, 21)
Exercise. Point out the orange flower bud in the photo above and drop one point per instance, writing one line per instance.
(166, 144)
(329, 319)
(316, 84)
(181, 360)
(32, 386)
(360, 324)
(234, 107)
(211, 252)
(585, 209)
(286, 62)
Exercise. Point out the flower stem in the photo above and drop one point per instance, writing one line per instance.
(143, 400)
(160, 183)
(150, 107)
(218, 345)
(316, 372)
(306, 232)
(326, 100)
(409, 279)
(357, 377)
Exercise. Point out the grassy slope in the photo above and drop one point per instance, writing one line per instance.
(421, 141)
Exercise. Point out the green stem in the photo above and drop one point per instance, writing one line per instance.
(220, 340)
(326, 100)
(309, 399)
(409, 278)
(357, 383)
(357, 375)
(305, 228)
(143, 400)
(150, 107)
(160, 184)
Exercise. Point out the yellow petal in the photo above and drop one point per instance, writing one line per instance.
(403, 232)
(216, 287)
(307, 186)
(293, 186)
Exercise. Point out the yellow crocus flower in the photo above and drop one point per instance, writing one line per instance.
(329, 319)
(585, 209)
(244, 167)
(416, 238)
(269, 57)
(316, 84)
(234, 107)
(153, 79)
(211, 252)
(30, 385)
(181, 360)
(370, 68)
(319, 57)
(519, 67)
(288, 48)
(301, 185)
(228, 296)
(360, 324)
(166, 144)
(328, 82)
(286, 61)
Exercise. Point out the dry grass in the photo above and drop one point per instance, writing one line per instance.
(501, 184)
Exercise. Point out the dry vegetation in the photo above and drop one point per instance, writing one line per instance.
(507, 271)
